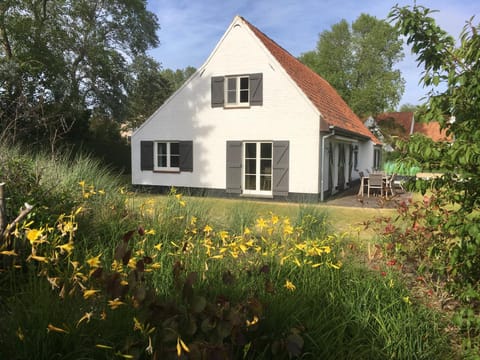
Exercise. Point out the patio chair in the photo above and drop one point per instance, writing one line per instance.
(375, 181)
(363, 183)
(397, 182)
(389, 184)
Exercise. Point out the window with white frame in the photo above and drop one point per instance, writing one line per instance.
(257, 168)
(237, 91)
(167, 156)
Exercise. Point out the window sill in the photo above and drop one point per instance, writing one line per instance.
(240, 106)
(167, 171)
(258, 196)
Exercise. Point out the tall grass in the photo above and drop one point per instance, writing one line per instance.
(282, 281)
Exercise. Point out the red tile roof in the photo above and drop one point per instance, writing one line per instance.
(431, 129)
(334, 110)
(404, 119)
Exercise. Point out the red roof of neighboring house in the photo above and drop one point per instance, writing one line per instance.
(334, 110)
(405, 119)
(432, 130)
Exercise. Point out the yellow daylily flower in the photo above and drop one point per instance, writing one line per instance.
(66, 247)
(115, 303)
(38, 258)
(34, 234)
(224, 235)
(8, 253)
(53, 328)
(20, 334)
(287, 229)
(94, 262)
(407, 300)
(335, 266)
(89, 293)
(82, 183)
(247, 231)
(253, 322)
(132, 263)
(289, 285)
(181, 346)
(261, 224)
(87, 317)
(208, 229)
(275, 219)
(282, 260)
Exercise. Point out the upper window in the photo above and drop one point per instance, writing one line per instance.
(167, 156)
(237, 91)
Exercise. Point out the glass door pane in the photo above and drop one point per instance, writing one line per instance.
(258, 167)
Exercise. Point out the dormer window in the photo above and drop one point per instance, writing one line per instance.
(237, 90)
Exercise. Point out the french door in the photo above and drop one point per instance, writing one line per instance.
(257, 176)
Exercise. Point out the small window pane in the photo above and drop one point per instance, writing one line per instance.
(174, 148)
(244, 92)
(162, 148)
(244, 96)
(232, 97)
(265, 182)
(250, 182)
(232, 84)
(250, 150)
(265, 167)
(232, 90)
(162, 161)
(250, 166)
(266, 150)
(244, 83)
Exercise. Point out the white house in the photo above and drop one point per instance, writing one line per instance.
(253, 121)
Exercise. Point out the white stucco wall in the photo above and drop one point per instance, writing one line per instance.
(285, 115)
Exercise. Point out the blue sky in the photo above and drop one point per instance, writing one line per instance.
(190, 29)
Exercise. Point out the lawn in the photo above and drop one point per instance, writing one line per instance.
(341, 219)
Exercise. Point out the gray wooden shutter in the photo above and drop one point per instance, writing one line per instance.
(186, 155)
(280, 168)
(218, 91)
(146, 155)
(234, 167)
(256, 89)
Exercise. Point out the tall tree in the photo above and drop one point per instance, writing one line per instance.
(358, 61)
(61, 60)
(178, 77)
(148, 90)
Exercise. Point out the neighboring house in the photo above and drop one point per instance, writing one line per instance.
(253, 121)
(402, 125)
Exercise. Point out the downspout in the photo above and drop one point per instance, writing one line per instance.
(322, 151)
